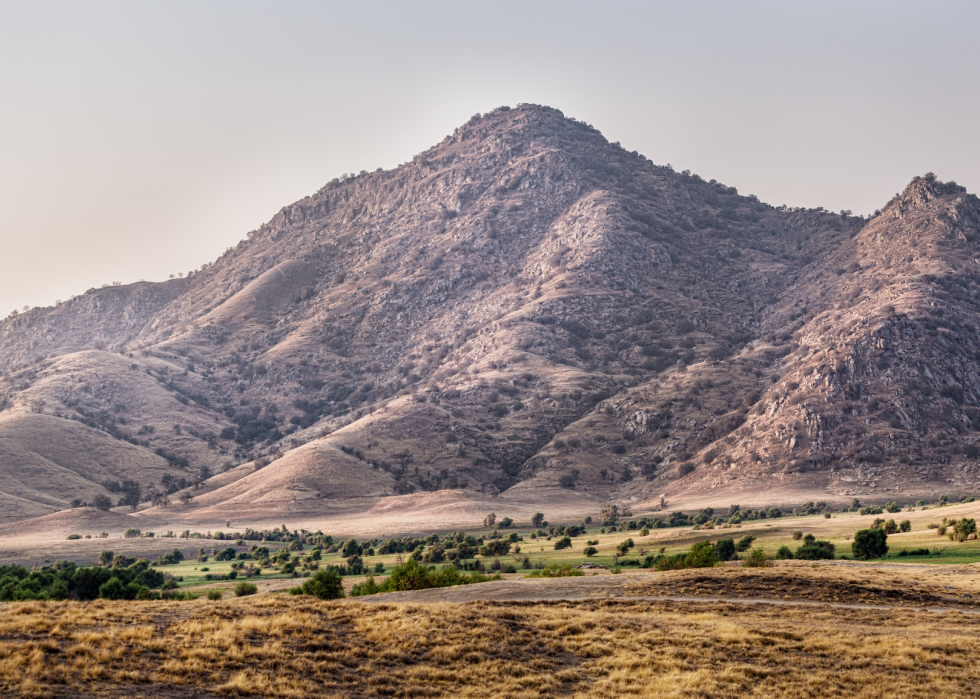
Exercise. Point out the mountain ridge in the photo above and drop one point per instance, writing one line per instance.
(523, 311)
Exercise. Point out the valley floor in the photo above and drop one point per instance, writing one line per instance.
(797, 629)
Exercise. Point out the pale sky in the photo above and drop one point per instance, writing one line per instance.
(139, 139)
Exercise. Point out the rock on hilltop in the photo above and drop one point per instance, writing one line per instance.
(526, 311)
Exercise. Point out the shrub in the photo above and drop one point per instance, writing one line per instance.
(556, 571)
(784, 553)
(172, 558)
(325, 584)
(675, 562)
(905, 525)
(214, 595)
(116, 589)
(816, 551)
(797, 535)
(614, 571)
(701, 555)
(74, 536)
(243, 589)
(893, 507)
(563, 543)
(869, 543)
(624, 547)
(590, 551)
(744, 543)
(368, 587)
(132, 533)
(757, 558)
(413, 576)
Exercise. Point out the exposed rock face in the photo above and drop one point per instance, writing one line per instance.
(527, 308)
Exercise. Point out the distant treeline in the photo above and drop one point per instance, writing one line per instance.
(128, 579)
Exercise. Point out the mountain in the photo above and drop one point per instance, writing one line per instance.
(525, 313)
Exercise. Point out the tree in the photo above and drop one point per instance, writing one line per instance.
(962, 529)
(538, 519)
(131, 494)
(506, 522)
(869, 543)
(490, 520)
(496, 547)
(744, 543)
(102, 502)
(105, 558)
(725, 549)
(609, 514)
(905, 525)
(355, 565)
(563, 543)
(590, 551)
(325, 584)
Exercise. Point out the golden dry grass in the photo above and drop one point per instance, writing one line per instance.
(293, 647)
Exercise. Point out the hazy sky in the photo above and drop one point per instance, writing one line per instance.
(139, 139)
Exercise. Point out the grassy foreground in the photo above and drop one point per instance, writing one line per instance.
(296, 646)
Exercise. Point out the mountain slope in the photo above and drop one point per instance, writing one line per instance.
(527, 310)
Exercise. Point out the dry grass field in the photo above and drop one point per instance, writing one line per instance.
(610, 638)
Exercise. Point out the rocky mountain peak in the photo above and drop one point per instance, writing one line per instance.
(522, 311)
(923, 192)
